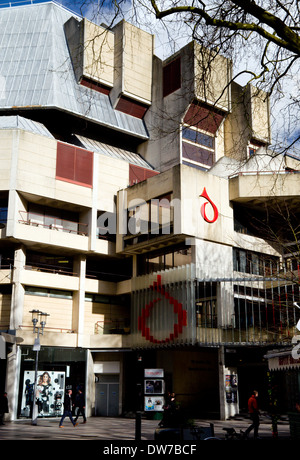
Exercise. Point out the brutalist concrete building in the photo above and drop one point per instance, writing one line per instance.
(130, 190)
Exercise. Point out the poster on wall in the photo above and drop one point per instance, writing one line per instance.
(231, 388)
(49, 393)
(154, 403)
(154, 387)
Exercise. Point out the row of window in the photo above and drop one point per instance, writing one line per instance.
(64, 294)
(158, 261)
(254, 263)
(197, 146)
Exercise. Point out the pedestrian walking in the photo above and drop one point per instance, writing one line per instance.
(254, 415)
(3, 407)
(67, 409)
(80, 405)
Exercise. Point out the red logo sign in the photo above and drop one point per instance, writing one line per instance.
(203, 211)
(146, 311)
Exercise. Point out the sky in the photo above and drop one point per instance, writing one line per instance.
(169, 40)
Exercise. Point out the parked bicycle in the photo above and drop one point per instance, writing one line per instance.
(233, 435)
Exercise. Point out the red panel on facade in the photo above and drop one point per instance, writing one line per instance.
(84, 166)
(131, 107)
(94, 85)
(65, 165)
(203, 118)
(138, 174)
(74, 164)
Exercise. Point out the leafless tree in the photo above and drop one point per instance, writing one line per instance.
(262, 36)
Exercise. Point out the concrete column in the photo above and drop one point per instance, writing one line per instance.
(90, 385)
(12, 381)
(93, 212)
(79, 299)
(18, 291)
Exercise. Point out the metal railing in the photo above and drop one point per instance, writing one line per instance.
(49, 269)
(53, 223)
(49, 328)
(263, 173)
(112, 326)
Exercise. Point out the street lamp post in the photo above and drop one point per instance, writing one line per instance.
(39, 319)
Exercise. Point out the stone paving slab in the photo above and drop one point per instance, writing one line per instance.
(119, 429)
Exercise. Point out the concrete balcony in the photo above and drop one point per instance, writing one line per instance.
(64, 234)
(33, 276)
(254, 187)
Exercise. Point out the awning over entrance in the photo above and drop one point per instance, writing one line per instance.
(282, 361)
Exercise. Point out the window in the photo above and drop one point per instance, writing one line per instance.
(106, 225)
(254, 263)
(253, 146)
(201, 124)
(49, 263)
(150, 219)
(74, 164)
(110, 269)
(6, 259)
(206, 304)
(172, 77)
(198, 137)
(163, 260)
(107, 300)
(44, 292)
(55, 218)
(198, 146)
(3, 215)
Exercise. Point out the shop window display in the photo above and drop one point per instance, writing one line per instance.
(49, 393)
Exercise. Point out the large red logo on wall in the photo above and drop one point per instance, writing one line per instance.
(180, 314)
(203, 210)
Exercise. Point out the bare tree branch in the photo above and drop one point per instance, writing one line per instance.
(283, 36)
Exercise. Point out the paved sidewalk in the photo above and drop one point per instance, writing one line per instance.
(121, 429)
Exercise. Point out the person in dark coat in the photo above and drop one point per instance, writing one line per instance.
(68, 404)
(80, 405)
(3, 407)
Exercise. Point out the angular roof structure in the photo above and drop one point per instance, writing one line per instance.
(113, 152)
(36, 70)
(18, 122)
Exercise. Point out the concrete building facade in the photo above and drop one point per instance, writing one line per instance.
(129, 190)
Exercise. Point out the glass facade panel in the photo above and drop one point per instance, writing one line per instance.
(164, 311)
(173, 306)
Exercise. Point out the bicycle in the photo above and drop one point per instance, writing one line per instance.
(233, 435)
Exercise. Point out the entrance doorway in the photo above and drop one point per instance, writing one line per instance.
(107, 396)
